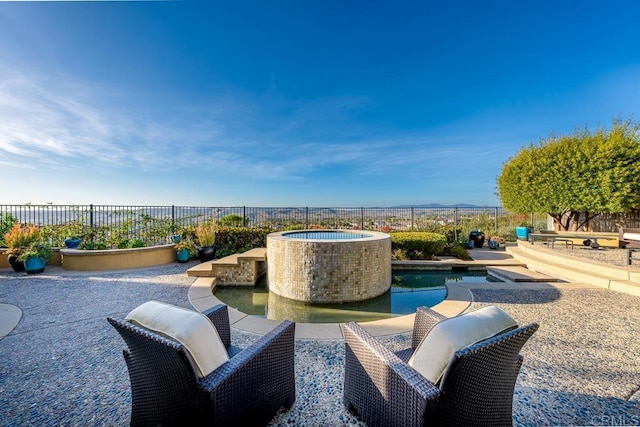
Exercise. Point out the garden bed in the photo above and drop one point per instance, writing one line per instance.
(117, 259)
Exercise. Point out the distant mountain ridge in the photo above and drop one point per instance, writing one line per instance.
(438, 205)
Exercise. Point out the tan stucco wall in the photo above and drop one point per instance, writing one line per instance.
(117, 259)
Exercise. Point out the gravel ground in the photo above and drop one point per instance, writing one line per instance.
(62, 364)
(612, 256)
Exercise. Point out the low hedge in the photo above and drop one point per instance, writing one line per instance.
(231, 240)
(417, 244)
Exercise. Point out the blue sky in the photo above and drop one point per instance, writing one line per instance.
(299, 103)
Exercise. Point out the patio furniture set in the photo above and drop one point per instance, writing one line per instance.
(184, 370)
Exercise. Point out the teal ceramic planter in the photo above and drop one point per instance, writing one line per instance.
(523, 232)
(72, 243)
(33, 265)
(183, 255)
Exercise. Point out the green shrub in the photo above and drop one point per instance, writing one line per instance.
(399, 255)
(231, 220)
(138, 243)
(93, 246)
(418, 244)
(6, 223)
(448, 230)
(457, 250)
(231, 240)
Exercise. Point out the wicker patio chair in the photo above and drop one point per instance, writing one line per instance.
(476, 388)
(248, 389)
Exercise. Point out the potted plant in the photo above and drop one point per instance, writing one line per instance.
(72, 231)
(205, 234)
(35, 257)
(72, 242)
(18, 239)
(184, 249)
(522, 231)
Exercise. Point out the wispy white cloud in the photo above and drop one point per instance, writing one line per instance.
(65, 124)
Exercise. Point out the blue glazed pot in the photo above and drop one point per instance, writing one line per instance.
(523, 232)
(71, 243)
(34, 264)
(176, 238)
(183, 255)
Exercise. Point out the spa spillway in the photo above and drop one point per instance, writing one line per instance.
(329, 266)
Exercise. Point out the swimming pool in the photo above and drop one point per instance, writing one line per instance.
(409, 290)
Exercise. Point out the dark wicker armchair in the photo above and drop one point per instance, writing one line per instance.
(476, 388)
(249, 389)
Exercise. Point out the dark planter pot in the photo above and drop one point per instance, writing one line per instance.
(72, 243)
(15, 264)
(183, 255)
(477, 237)
(34, 265)
(206, 253)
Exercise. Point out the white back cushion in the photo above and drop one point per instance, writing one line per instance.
(450, 335)
(190, 328)
(631, 236)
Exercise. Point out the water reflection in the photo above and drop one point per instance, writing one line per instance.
(409, 289)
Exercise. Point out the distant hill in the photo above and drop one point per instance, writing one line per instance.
(438, 205)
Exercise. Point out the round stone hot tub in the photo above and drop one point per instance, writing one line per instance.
(329, 266)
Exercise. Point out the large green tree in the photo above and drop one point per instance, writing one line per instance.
(592, 172)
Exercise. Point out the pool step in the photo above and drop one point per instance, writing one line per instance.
(519, 274)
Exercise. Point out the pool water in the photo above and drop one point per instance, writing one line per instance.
(409, 290)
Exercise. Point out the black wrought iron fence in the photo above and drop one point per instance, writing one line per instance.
(120, 225)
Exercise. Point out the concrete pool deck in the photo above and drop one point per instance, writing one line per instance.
(62, 364)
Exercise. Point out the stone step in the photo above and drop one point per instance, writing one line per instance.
(519, 274)
(201, 270)
(206, 269)
(567, 268)
(229, 260)
(626, 286)
(255, 254)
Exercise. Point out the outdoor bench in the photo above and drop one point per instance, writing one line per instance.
(551, 239)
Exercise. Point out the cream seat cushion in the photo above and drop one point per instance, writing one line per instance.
(433, 354)
(190, 328)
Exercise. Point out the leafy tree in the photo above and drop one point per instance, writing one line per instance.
(564, 176)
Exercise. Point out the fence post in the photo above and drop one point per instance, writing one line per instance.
(244, 216)
(362, 218)
(455, 224)
(91, 215)
(495, 227)
(412, 219)
(306, 217)
(173, 219)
